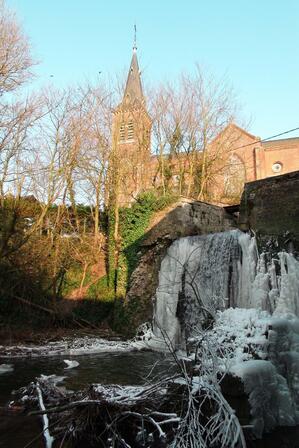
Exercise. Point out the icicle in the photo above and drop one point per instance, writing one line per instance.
(288, 299)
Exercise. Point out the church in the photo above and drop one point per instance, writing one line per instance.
(244, 156)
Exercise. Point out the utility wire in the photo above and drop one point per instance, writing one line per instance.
(265, 139)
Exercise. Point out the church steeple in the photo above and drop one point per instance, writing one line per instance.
(133, 90)
(132, 136)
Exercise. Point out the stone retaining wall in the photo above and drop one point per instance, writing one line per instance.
(270, 207)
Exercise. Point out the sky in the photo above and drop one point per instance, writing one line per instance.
(253, 43)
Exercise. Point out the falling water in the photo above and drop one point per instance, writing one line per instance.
(202, 274)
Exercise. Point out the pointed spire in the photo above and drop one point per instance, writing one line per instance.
(133, 90)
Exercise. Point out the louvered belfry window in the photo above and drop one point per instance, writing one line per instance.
(130, 131)
(122, 132)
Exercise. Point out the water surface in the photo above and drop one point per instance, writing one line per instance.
(130, 368)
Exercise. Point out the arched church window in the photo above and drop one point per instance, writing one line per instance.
(130, 131)
(122, 132)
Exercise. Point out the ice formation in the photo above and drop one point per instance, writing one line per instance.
(264, 352)
(70, 364)
(53, 379)
(86, 345)
(254, 301)
(202, 274)
(198, 272)
(6, 368)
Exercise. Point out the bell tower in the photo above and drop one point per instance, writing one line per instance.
(131, 136)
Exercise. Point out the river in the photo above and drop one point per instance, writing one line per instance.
(126, 368)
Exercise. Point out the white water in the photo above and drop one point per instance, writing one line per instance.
(202, 274)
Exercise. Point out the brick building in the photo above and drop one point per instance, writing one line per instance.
(241, 156)
(248, 158)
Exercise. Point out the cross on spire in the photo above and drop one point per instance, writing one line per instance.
(135, 38)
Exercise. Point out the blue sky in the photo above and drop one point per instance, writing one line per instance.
(254, 43)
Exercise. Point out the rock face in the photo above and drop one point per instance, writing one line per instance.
(185, 218)
(270, 207)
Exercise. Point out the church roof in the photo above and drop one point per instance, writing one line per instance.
(282, 143)
(133, 90)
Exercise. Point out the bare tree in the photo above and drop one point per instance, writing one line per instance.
(187, 118)
(17, 119)
(16, 115)
(95, 150)
(159, 108)
(15, 55)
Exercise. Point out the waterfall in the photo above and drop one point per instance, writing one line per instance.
(202, 274)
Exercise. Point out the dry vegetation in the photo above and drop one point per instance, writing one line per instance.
(57, 153)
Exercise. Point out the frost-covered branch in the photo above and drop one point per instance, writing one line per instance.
(48, 438)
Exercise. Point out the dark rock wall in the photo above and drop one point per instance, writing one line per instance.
(270, 207)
